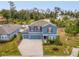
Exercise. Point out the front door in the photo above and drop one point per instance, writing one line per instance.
(45, 37)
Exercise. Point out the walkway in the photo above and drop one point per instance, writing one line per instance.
(74, 52)
(31, 47)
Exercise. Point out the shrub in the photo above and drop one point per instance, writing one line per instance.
(45, 42)
(20, 36)
(13, 37)
(71, 28)
(50, 41)
(57, 41)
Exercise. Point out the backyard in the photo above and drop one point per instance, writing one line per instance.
(10, 48)
(68, 42)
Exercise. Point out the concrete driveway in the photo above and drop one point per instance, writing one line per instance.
(31, 47)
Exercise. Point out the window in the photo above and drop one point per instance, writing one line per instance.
(31, 29)
(49, 29)
(2, 37)
(35, 28)
(39, 28)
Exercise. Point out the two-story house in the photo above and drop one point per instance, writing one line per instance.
(40, 30)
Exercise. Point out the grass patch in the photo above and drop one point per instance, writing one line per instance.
(68, 40)
(10, 48)
(54, 50)
(72, 41)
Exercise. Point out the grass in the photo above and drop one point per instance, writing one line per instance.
(10, 48)
(62, 50)
(68, 43)
(72, 41)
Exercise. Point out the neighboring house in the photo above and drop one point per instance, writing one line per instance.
(8, 31)
(41, 29)
(2, 20)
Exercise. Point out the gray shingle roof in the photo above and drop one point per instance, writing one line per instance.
(2, 31)
(7, 29)
(41, 23)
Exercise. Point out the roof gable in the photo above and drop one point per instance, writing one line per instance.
(41, 23)
(2, 31)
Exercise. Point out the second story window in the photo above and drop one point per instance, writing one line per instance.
(39, 28)
(35, 28)
(31, 29)
(49, 29)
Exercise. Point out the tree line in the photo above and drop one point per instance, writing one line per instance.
(37, 14)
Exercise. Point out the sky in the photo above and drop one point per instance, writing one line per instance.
(66, 5)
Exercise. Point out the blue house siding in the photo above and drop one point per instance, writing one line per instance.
(32, 35)
(40, 35)
(4, 37)
(25, 35)
(8, 36)
(45, 29)
(35, 35)
(52, 34)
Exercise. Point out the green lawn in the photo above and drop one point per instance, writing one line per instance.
(62, 50)
(10, 48)
(71, 41)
